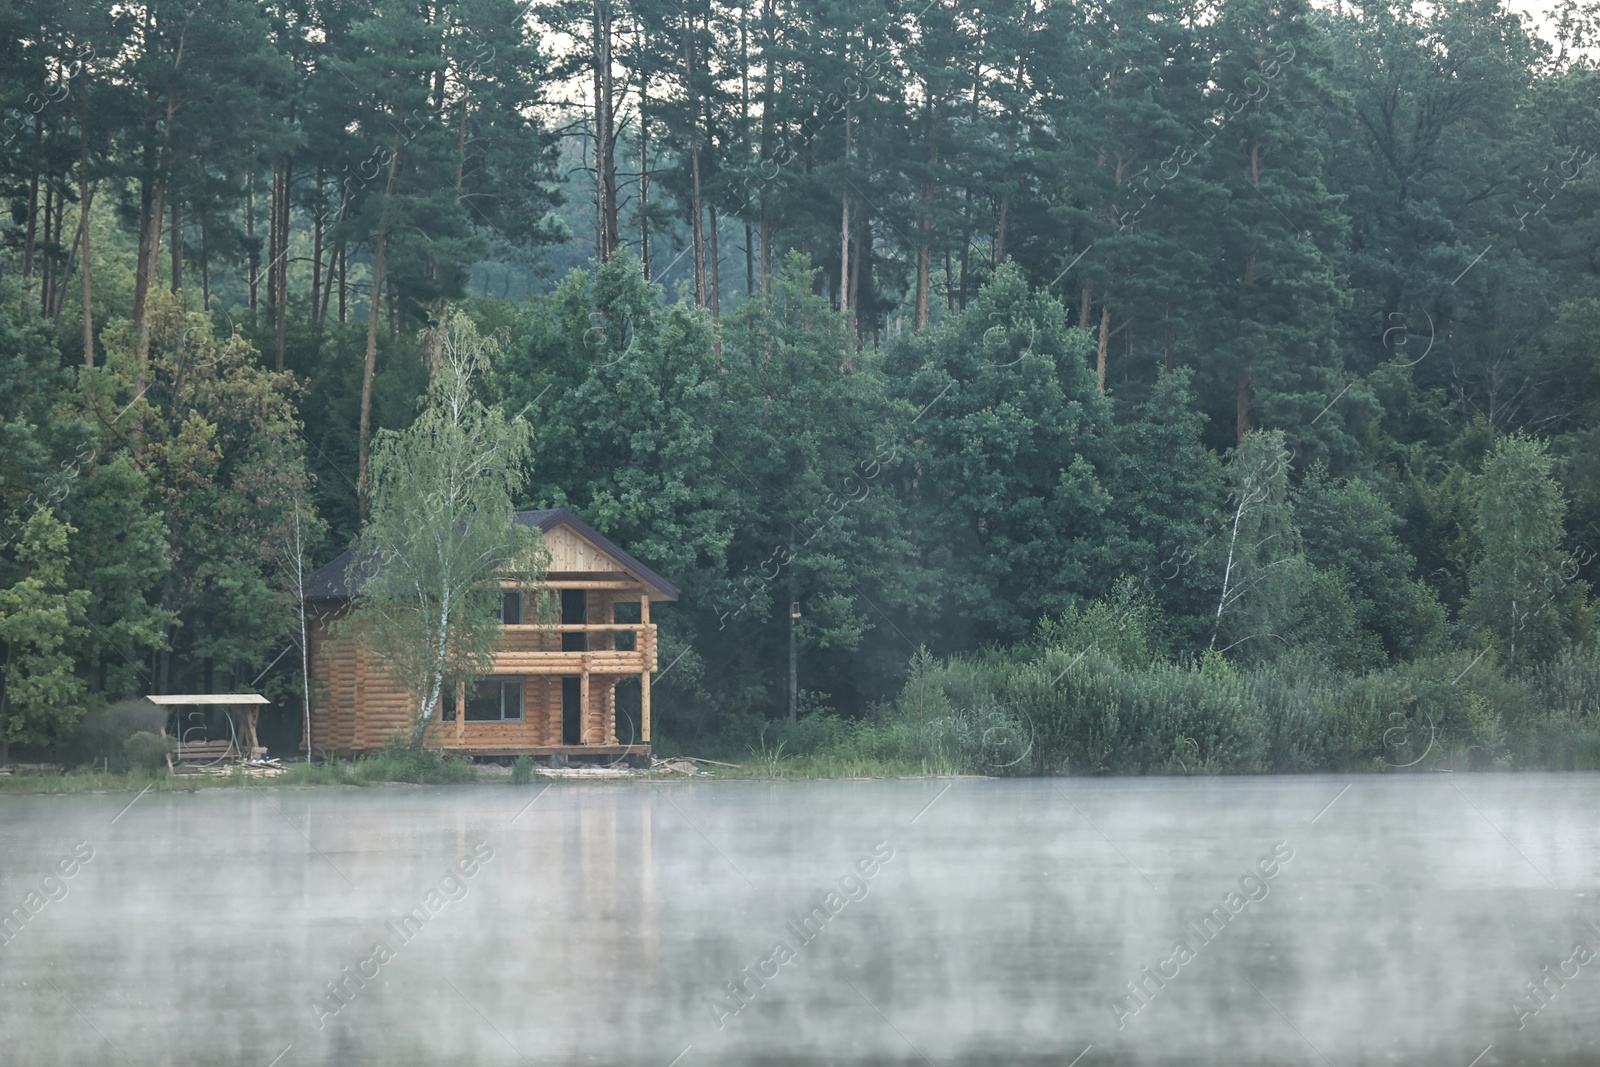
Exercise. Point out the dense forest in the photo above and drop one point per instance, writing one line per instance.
(1235, 343)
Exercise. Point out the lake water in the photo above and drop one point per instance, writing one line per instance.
(1392, 920)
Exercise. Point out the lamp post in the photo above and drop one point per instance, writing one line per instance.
(794, 675)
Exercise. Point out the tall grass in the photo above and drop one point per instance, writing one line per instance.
(1072, 707)
(395, 762)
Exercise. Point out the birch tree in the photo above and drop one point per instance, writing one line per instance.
(1263, 564)
(1522, 595)
(442, 531)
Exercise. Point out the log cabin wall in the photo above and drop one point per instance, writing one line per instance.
(357, 707)
(333, 686)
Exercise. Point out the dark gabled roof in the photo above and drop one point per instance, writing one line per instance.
(331, 582)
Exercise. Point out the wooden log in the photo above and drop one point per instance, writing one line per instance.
(646, 643)
(563, 583)
(574, 627)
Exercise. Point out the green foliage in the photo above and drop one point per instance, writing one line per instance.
(428, 562)
(1349, 536)
(1057, 261)
(398, 761)
(1121, 628)
(1168, 486)
(146, 751)
(1522, 594)
(521, 770)
(1258, 554)
(1009, 457)
(41, 699)
(101, 734)
(220, 446)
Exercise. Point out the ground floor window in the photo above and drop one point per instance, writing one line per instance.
(495, 699)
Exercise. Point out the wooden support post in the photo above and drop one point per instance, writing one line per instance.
(358, 728)
(461, 713)
(647, 652)
(586, 736)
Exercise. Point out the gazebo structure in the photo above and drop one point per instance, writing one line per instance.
(242, 730)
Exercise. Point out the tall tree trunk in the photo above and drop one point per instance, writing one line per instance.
(769, 63)
(608, 236)
(919, 319)
(205, 262)
(344, 288)
(844, 225)
(252, 269)
(1085, 305)
(644, 178)
(177, 247)
(29, 240)
(744, 140)
(861, 242)
(46, 259)
(1241, 405)
(699, 234)
(695, 205)
(280, 306)
(966, 257)
(749, 259)
(714, 250)
(153, 195)
(70, 249)
(50, 257)
(766, 244)
(333, 263)
(1000, 232)
(61, 265)
(144, 274)
(85, 194)
(1101, 345)
(318, 217)
(370, 365)
(273, 251)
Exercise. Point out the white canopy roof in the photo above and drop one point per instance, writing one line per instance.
(208, 698)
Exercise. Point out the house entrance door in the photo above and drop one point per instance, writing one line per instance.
(571, 710)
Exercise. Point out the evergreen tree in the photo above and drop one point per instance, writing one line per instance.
(1009, 449)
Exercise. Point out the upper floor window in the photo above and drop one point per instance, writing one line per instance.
(511, 607)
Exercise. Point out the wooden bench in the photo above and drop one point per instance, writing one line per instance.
(202, 751)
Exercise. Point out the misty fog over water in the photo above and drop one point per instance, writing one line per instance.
(1315, 920)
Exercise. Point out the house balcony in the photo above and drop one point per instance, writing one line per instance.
(534, 649)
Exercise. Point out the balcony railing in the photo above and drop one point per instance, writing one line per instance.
(636, 660)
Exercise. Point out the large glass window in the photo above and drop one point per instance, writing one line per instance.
(494, 700)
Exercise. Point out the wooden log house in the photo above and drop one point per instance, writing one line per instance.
(553, 688)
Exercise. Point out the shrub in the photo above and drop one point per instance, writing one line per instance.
(102, 734)
(147, 751)
(521, 770)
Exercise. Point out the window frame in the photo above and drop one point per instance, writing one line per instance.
(507, 597)
(506, 683)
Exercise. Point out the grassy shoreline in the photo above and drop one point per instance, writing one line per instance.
(375, 771)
